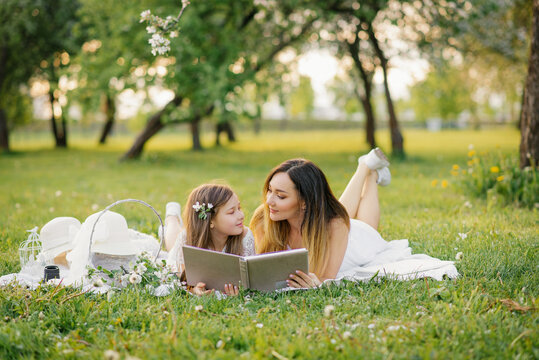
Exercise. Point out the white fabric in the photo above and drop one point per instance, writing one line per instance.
(367, 255)
(175, 256)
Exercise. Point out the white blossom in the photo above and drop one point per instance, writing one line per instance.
(260, 325)
(328, 310)
(459, 255)
(463, 235)
(210, 205)
(145, 15)
(151, 29)
(174, 34)
(111, 355)
(140, 269)
(135, 278)
(97, 282)
(199, 308)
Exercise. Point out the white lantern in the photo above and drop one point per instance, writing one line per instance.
(30, 248)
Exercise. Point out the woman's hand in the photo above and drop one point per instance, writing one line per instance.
(231, 290)
(302, 280)
(200, 289)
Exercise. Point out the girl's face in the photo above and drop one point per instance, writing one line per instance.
(282, 198)
(229, 218)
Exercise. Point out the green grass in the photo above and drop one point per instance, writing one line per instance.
(462, 318)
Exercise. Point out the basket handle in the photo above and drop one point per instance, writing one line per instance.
(160, 234)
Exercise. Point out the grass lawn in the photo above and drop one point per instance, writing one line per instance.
(484, 313)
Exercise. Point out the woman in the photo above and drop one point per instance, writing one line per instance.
(300, 210)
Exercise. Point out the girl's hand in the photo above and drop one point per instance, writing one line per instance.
(200, 289)
(231, 290)
(302, 280)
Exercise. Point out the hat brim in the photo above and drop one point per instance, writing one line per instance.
(54, 252)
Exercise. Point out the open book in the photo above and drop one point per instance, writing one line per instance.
(264, 272)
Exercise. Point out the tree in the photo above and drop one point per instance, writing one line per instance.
(20, 54)
(222, 46)
(529, 125)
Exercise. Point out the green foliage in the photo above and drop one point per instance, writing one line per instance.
(486, 313)
(302, 98)
(499, 179)
(445, 93)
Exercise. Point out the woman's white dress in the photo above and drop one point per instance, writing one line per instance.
(175, 255)
(368, 254)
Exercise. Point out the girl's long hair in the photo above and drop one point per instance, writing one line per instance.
(198, 230)
(321, 207)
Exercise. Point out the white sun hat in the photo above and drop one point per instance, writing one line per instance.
(111, 235)
(57, 236)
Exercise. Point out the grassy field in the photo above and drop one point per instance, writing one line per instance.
(490, 311)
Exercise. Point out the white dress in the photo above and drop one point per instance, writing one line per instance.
(368, 254)
(175, 255)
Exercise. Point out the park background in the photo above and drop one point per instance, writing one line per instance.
(92, 112)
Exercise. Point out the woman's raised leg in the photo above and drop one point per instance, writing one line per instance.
(369, 205)
(172, 230)
(351, 195)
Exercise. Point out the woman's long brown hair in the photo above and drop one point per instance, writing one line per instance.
(321, 207)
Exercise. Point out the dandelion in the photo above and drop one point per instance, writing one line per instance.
(433, 183)
(328, 310)
(459, 255)
(500, 178)
(470, 162)
(199, 308)
(494, 169)
(135, 278)
(456, 167)
(259, 325)
(444, 184)
(471, 153)
(111, 355)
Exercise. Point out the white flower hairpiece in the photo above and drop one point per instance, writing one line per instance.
(202, 209)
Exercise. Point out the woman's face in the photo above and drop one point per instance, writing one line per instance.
(282, 198)
(229, 218)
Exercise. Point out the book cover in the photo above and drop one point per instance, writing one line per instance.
(264, 272)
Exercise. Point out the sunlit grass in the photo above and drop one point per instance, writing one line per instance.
(464, 318)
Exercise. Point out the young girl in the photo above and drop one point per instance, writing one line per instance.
(214, 221)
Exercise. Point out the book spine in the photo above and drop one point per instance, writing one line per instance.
(244, 272)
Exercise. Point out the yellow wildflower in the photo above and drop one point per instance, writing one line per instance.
(444, 184)
(500, 178)
(456, 167)
(471, 153)
(494, 169)
(470, 162)
(433, 183)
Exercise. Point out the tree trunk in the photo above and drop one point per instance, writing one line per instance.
(195, 134)
(529, 124)
(153, 126)
(397, 141)
(110, 111)
(4, 132)
(62, 135)
(370, 125)
(59, 134)
(226, 127)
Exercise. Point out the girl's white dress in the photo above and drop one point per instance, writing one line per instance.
(175, 255)
(368, 255)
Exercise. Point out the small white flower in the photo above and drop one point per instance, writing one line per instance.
(463, 235)
(174, 34)
(145, 15)
(346, 335)
(140, 269)
(470, 147)
(151, 29)
(199, 308)
(260, 325)
(41, 316)
(210, 205)
(135, 278)
(333, 341)
(371, 326)
(196, 206)
(185, 3)
(97, 282)
(468, 204)
(459, 255)
(58, 193)
(95, 207)
(328, 310)
(219, 344)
